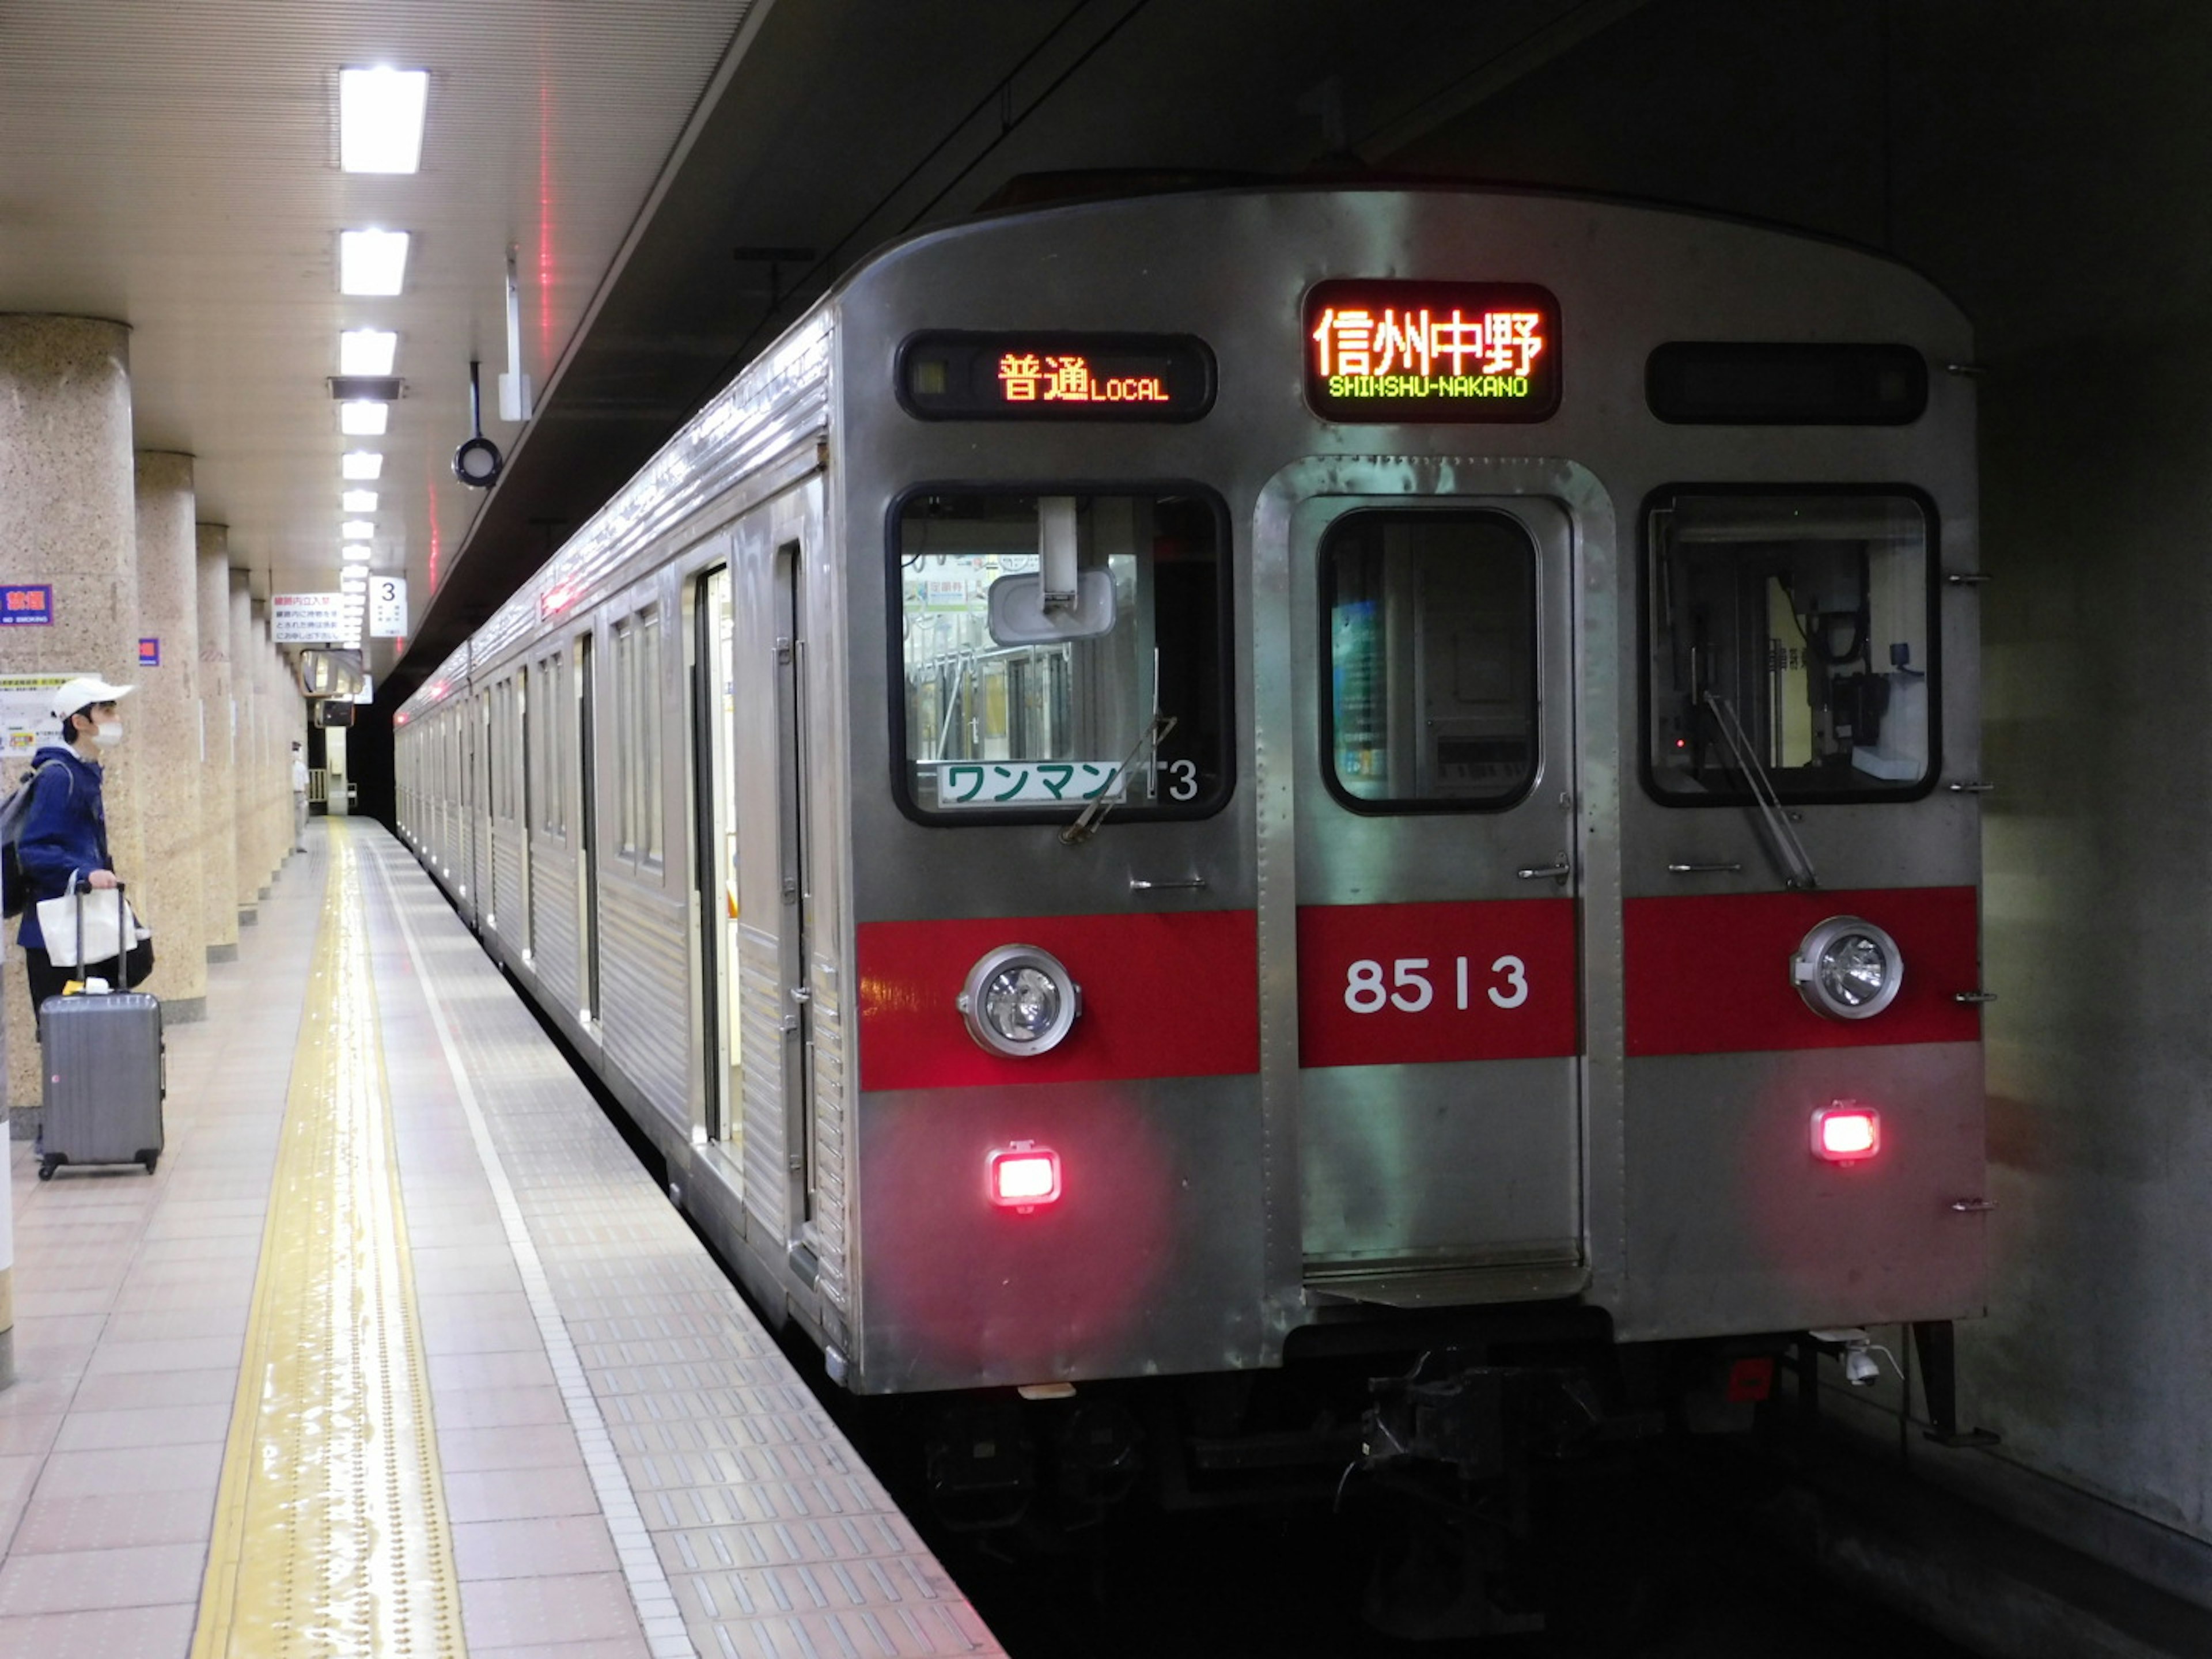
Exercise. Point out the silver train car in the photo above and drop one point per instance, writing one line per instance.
(1171, 789)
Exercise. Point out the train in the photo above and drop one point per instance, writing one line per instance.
(1299, 822)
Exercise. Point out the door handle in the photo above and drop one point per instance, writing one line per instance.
(1559, 872)
(1704, 869)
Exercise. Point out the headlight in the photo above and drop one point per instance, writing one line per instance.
(1019, 1000)
(1847, 968)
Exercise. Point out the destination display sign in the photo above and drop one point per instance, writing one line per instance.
(1385, 351)
(1052, 376)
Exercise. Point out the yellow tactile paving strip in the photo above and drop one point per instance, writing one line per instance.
(331, 1530)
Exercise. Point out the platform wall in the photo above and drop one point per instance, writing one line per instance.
(2048, 164)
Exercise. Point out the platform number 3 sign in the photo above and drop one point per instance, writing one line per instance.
(387, 608)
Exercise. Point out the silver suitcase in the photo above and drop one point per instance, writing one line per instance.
(105, 1075)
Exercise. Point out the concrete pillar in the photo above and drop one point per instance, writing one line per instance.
(163, 729)
(244, 780)
(218, 782)
(66, 521)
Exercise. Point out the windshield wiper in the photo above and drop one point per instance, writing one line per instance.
(1789, 853)
(1088, 820)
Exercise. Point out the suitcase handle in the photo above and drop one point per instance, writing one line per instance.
(122, 942)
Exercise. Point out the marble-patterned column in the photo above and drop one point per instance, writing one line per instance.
(218, 787)
(67, 523)
(164, 726)
(244, 781)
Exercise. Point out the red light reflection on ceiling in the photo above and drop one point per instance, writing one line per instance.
(544, 225)
(437, 543)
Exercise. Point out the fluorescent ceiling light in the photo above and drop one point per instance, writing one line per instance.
(356, 530)
(371, 261)
(363, 419)
(380, 119)
(357, 501)
(360, 464)
(356, 554)
(367, 350)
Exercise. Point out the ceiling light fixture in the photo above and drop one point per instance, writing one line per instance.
(367, 350)
(364, 420)
(371, 261)
(357, 501)
(365, 464)
(380, 119)
(356, 530)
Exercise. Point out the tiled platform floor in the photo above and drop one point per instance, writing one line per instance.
(630, 1470)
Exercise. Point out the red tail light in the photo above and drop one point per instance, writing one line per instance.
(1023, 1176)
(1847, 1133)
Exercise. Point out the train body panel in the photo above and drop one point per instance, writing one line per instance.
(1477, 789)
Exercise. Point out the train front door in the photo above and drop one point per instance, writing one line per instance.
(1438, 973)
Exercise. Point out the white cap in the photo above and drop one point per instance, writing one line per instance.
(82, 692)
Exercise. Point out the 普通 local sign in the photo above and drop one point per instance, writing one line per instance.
(309, 619)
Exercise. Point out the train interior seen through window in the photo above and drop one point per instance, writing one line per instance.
(1431, 619)
(1790, 637)
(1059, 649)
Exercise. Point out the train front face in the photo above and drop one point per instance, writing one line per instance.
(1520, 868)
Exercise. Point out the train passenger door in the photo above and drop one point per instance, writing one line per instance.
(772, 1005)
(790, 613)
(521, 933)
(587, 828)
(714, 752)
(1438, 977)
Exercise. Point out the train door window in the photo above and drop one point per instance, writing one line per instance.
(1054, 649)
(637, 726)
(547, 792)
(1792, 634)
(649, 689)
(626, 755)
(1430, 625)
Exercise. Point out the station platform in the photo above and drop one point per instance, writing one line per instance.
(401, 1352)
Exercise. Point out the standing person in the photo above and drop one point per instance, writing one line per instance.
(64, 840)
(299, 799)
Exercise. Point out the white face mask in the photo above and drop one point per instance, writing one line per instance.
(108, 733)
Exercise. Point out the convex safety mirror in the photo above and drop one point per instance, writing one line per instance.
(1060, 600)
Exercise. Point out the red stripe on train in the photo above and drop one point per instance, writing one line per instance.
(1413, 984)
(1162, 996)
(1711, 975)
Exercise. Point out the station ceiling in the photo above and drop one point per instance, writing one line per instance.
(675, 181)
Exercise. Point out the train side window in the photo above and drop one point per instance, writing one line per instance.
(1429, 619)
(1793, 632)
(1016, 706)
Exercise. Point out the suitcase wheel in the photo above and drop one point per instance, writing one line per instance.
(48, 1166)
(149, 1159)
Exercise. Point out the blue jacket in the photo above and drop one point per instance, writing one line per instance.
(64, 832)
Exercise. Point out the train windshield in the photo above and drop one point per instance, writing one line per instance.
(1062, 649)
(1791, 633)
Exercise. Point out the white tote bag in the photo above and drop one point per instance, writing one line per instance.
(58, 920)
